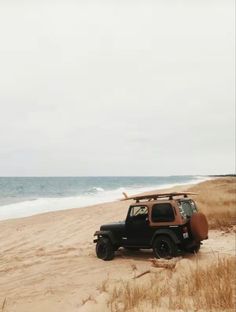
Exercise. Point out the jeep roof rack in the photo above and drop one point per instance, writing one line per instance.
(157, 195)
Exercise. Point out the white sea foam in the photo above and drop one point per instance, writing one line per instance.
(95, 196)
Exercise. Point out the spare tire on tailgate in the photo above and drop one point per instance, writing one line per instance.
(199, 226)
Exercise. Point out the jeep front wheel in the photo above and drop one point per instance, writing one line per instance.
(164, 247)
(104, 249)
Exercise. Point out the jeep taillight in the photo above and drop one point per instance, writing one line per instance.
(185, 232)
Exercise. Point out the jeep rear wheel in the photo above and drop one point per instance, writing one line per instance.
(164, 247)
(104, 249)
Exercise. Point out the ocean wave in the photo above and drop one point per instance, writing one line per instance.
(95, 195)
(95, 189)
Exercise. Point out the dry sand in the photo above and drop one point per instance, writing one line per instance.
(48, 262)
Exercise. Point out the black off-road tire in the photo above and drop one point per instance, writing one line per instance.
(164, 247)
(193, 249)
(105, 249)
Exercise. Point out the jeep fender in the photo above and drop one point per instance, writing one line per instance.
(107, 234)
(166, 232)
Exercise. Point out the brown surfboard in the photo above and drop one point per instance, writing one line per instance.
(157, 195)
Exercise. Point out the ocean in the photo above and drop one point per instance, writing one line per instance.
(26, 196)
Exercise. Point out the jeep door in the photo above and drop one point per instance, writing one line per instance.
(138, 230)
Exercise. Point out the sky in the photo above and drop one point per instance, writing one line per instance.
(116, 87)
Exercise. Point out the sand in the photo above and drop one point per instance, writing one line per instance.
(48, 261)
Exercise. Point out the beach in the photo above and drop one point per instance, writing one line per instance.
(48, 261)
(101, 102)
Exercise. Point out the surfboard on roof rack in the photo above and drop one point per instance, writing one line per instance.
(157, 195)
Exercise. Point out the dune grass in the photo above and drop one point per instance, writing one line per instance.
(217, 200)
(201, 288)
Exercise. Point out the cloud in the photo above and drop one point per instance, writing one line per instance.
(116, 88)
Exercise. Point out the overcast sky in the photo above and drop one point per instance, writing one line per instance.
(116, 87)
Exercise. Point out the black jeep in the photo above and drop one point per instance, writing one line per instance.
(169, 223)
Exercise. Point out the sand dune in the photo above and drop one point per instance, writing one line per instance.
(48, 263)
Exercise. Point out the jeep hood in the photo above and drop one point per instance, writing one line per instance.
(113, 226)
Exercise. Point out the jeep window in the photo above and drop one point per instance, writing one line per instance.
(162, 212)
(139, 212)
(187, 208)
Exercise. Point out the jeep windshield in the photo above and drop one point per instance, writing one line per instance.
(187, 208)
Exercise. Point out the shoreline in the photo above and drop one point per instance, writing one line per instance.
(42, 202)
(71, 210)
